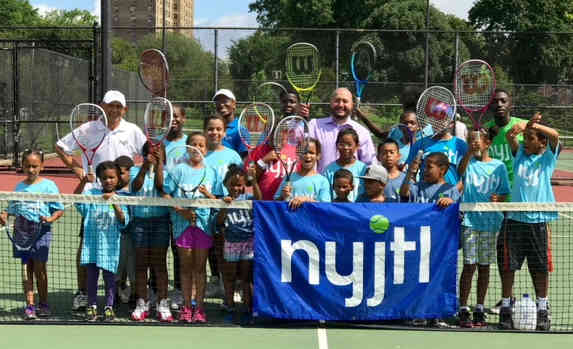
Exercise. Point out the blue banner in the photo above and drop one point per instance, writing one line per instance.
(355, 262)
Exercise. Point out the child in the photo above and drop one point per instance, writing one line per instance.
(526, 234)
(151, 236)
(407, 133)
(305, 185)
(375, 181)
(190, 226)
(485, 179)
(101, 241)
(219, 157)
(347, 144)
(237, 225)
(126, 267)
(390, 157)
(343, 185)
(32, 213)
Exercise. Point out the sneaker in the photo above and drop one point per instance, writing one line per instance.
(141, 310)
(176, 300)
(505, 318)
(43, 310)
(186, 315)
(543, 320)
(199, 316)
(108, 313)
(480, 319)
(163, 312)
(124, 294)
(80, 301)
(496, 308)
(30, 312)
(437, 323)
(91, 313)
(465, 318)
(418, 322)
(214, 288)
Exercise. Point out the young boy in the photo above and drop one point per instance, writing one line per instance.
(389, 156)
(343, 185)
(526, 234)
(375, 179)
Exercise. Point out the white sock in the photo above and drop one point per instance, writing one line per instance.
(465, 307)
(506, 302)
(541, 303)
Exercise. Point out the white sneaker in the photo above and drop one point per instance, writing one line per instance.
(163, 312)
(80, 301)
(214, 288)
(141, 310)
(124, 294)
(176, 300)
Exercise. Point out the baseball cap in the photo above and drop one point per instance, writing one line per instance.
(225, 92)
(377, 173)
(114, 96)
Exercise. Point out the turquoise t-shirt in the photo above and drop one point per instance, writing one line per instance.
(397, 134)
(358, 168)
(174, 155)
(532, 183)
(220, 161)
(147, 190)
(315, 186)
(481, 180)
(423, 192)
(392, 188)
(34, 210)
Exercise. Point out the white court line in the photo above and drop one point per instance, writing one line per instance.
(322, 338)
(564, 215)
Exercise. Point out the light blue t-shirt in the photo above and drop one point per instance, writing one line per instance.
(358, 168)
(532, 183)
(34, 210)
(220, 161)
(423, 192)
(315, 186)
(102, 233)
(147, 190)
(481, 180)
(233, 139)
(404, 148)
(239, 222)
(454, 148)
(392, 188)
(173, 156)
(189, 178)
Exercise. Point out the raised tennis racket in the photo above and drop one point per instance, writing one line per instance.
(256, 125)
(436, 107)
(154, 72)
(474, 86)
(158, 119)
(362, 66)
(303, 68)
(290, 135)
(89, 129)
(188, 182)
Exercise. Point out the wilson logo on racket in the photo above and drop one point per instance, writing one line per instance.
(302, 64)
(476, 83)
(437, 109)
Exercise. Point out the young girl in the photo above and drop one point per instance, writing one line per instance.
(219, 158)
(347, 144)
(28, 213)
(151, 235)
(190, 226)
(306, 185)
(343, 185)
(102, 234)
(485, 179)
(237, 225)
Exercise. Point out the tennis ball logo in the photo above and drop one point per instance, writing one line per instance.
(379, 224)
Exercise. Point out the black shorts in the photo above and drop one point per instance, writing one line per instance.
(518, 240)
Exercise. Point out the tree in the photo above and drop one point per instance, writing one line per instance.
(18, 13)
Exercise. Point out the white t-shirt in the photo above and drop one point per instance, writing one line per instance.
(127, 139)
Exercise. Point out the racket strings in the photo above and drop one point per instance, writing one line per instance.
(436, 107)
(475, 84)
(303, 66)
(363, 62)
(158, 119)
(88, 124)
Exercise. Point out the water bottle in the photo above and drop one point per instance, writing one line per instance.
(525, 314)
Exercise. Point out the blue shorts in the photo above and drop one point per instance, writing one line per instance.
(151, 232)
(41, 249)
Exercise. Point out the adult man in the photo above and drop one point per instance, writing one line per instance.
(226, 105)
(123, 138)
(326, 130)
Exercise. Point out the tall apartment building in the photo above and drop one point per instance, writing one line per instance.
(149, 13)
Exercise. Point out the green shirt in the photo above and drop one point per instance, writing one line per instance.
(500, 149)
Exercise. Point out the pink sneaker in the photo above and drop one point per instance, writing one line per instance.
(199, 316)
(186, 315)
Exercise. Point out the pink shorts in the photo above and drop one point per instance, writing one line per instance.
(194, 237)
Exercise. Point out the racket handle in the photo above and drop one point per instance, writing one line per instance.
(249, 177)
(354, 117)
(477, 136)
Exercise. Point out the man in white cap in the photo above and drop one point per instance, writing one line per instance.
(226, 105)
(123, 138)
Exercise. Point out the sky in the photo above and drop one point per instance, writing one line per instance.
(221, 13)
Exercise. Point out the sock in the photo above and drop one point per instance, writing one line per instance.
(506, 302)
(479, 307)
(541, 303)
(464, 307)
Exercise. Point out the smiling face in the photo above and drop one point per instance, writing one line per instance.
(341, 104)
(178, 120)
(225, 106)
(114, 110)
(310, 157)
(109, 180)
(347, 147)
(236, 185)
(215, 131)
(32, 166)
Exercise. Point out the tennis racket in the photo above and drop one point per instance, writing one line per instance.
(362, 66)
(474, 86)
(290, 134)
(269, 92)
(89, 129)
(256, 125)
(303, 68)
(158, 119)
(436, 107)
(154, 72)
(192, 156)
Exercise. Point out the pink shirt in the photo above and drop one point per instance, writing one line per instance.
(326, 130)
